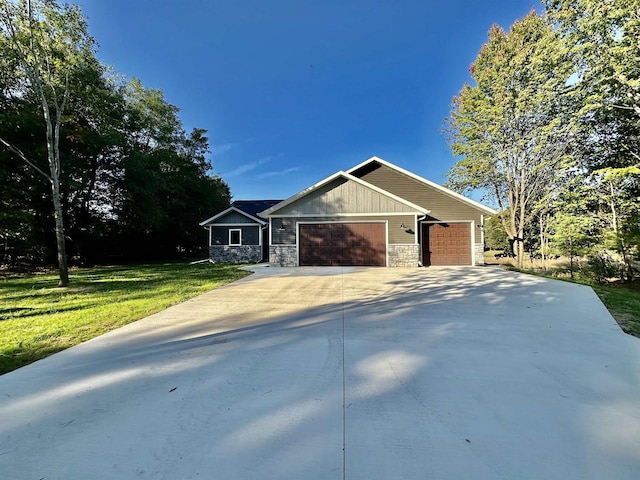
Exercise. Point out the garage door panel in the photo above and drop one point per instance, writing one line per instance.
(348, 244)
(446, 243)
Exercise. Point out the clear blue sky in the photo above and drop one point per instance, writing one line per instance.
(293, 91)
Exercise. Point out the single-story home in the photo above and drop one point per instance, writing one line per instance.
(239, 234)
(374, 214)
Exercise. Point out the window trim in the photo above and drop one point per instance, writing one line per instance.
(231, 231)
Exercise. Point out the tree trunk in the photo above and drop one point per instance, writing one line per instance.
(60, 240)
(519, 244)
(30, 57)
(53, 156)
(571, 256)
(627, 273)
(543, 244)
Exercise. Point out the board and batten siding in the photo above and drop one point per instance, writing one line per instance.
(442, 206)
(397, 234)
(343, 196)
(234, 218)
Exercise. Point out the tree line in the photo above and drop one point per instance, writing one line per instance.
(95, 168)
(549, 131)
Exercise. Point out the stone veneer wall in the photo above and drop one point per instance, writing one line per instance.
(399, 255)
(403, 255)
(283, 256)
(479, 253)
(239, 254)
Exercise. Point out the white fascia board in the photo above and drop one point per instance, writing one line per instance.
(347, 215)
(234, 225)
(233, 209)
(445, 190)
(266, 213)
(346, 176)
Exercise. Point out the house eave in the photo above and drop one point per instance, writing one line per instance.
(341, 174)
(451, 193)
(211, 220)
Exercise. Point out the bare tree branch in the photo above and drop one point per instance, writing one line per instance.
(19, 152)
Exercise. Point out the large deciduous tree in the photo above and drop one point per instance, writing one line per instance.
(48, 43)
(603, 39)
(132, 185)
(508, 126)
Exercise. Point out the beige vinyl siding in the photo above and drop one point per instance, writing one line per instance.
(343, 196)
(441, 205)
(397, 235)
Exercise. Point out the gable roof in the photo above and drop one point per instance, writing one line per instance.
(248, 208)
(254, 207)
(279, 206)
(451, 193)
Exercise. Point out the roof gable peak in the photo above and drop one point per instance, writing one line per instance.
(424, 181)
(347, 176)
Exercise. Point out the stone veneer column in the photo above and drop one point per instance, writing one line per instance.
(479, 253)
(283, 256)
(403, 255)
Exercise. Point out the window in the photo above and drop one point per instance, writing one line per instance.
(235, 237)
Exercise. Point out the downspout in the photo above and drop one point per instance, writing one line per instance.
(262, 244)
(419, 235)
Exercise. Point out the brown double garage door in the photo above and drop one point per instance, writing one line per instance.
(364, 244)
(343, 244)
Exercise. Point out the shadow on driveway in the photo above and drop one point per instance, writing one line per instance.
(322, 373)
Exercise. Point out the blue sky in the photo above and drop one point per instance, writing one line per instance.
(293, 91)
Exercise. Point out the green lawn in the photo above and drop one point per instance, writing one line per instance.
(37, 318)
(624, 304)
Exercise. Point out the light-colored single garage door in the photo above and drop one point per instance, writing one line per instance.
(343, 244)
(446, 243)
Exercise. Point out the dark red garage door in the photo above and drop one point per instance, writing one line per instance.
(343, 244)
(446, 244)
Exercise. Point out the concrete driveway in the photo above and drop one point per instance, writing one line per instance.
(337, 373)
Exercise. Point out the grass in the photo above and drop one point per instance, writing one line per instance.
(38, 319)
(621, 299)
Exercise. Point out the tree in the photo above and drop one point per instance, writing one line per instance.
(602, 39)
(49, 44)
(509, 127)
(623, 214)
(495, 238)
(164, 187)
(572, 235)
(134, 184)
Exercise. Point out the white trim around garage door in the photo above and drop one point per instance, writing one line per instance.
(342, 215)
(386, 233)
(473, 236)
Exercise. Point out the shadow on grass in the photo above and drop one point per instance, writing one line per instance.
(37, 318)
(239, 393)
